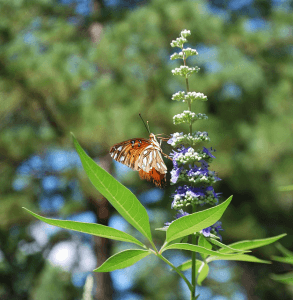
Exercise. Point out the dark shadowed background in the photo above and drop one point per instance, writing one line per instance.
(90, 67)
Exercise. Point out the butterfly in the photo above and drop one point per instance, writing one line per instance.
(143, 156)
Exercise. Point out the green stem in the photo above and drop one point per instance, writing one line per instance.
(193, 237)
(193, 268)
(187, 89)
(176, 270)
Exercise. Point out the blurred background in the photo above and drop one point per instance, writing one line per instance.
(90, 66)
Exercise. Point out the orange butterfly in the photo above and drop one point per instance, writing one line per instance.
(143, 156)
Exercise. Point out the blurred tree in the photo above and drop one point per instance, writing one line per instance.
(54, 79)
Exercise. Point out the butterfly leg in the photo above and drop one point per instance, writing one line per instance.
(167, 156)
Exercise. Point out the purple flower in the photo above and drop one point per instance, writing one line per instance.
(174, 137)
(175, 173)
(180, 214)
(207, 151)
(194, 195)
(213, 229)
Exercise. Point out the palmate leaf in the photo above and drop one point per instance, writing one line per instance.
(194, 248)
(93, 229)
(123, 260)
(195, 222)
(117, 194)
(251, 244)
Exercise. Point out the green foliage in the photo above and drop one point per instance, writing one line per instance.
(288, 259)
(118, 195)
(184, 246)
(251, 131)
(196, 221)
(53, 284)
(123, 260)
(124, 201)
(93, 229)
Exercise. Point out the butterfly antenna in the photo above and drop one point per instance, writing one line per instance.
(148, 129)
(148, 126)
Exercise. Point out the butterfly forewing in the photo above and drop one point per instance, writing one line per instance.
(127, 152)
(144, 156)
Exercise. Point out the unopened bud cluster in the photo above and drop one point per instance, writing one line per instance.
(190, 96)
(188, 117)
(185, 71)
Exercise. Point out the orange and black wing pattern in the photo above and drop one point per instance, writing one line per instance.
(144, 156)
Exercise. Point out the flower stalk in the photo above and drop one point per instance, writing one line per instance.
(190, 166)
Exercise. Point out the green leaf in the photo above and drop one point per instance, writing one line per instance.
(186, 265)
(286, 260)
(203, 271)
(251, 244)
(185, 246)
(283, 278)
(283, 250)
(195, 222)
(122, 260)
(117, 194)
(239, 257)
(285, 188)
(90, 228)
(203, 242)
(229, 249)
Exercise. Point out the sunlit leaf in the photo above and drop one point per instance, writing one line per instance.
(229, 249)
(239, 257)
(251, 244)
(194, 248)
(203, 271)
(203, 242)
(117, 194)
(90, 228)
(195, 222)
(122, 260)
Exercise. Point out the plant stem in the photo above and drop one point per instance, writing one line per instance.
(193, 269)
(176, 270)
(193, 237)
(187, 89)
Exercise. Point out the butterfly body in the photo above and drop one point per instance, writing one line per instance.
(143, 156)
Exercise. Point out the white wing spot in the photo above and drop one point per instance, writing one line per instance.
(155, 154)
(121, 158)
(158, 165)
(145, 151)
(120, 148)
(115, 155)
(150, 157)
(145, 161)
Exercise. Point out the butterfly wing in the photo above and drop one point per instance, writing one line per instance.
(129, 151)
(152, 166)
(144, 156)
